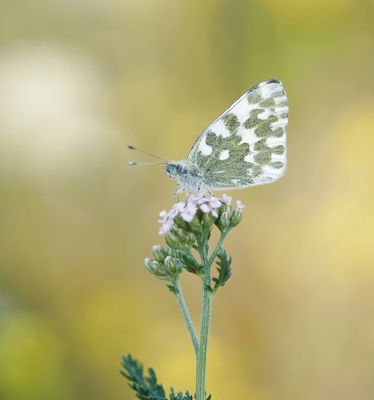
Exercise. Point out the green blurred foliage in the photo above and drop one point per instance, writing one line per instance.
(79, 80)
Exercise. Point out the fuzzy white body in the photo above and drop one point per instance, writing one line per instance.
(187, 182)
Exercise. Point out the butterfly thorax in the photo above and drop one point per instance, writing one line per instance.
(188, 180)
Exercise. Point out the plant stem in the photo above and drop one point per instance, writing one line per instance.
(203, 350)
(217, 248)
(206, 311)
(187, 318)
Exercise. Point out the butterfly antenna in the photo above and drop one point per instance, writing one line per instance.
(131, 163)
(147, 153)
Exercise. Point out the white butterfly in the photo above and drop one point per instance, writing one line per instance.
(245, 146)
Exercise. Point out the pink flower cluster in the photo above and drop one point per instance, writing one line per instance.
(187, 209)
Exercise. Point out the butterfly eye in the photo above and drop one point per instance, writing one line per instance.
(171, 170)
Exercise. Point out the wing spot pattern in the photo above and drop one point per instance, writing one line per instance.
(249, 137)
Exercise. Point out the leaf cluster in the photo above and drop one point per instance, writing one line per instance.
(146, 387)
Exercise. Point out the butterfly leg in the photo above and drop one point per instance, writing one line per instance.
(177, 193)
(205, 188)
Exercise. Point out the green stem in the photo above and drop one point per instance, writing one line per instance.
(203, 350)
(206, 312)
(217, 248)
(187, 318)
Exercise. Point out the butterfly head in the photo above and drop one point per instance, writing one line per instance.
(175, 168)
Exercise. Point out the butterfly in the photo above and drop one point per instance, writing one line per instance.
(245, 146)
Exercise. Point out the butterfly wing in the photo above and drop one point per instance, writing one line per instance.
(246, 145)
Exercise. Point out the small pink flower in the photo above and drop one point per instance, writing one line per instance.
(239, 205)
(226, 199)
(187, 216)
(179, 206)
(166, 227)
(205, 208)
(196, 198)
(173, 212)
(214, 202)
(188, 212)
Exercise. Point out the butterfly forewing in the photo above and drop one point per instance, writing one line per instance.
(246, 145)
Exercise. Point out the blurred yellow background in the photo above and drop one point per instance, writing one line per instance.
(79, 81)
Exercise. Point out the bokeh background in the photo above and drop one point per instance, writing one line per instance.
(79, 81)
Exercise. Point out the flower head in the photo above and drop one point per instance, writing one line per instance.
(187, 227)
(188, 209)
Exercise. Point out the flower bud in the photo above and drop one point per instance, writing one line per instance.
(208, 221)
(172, 266)
(226, 207)
(190, 238)
(152, 266)
(181, 223)
(195, 224)
(173, 241)
(224, 220)
(180, 234)
(236, 218)
(184, 237)
(159, 253)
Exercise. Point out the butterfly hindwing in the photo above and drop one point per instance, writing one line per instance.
(246, 145)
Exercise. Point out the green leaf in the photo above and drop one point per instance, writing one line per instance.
(189, 262)
(223, 268)
(180, 395)
(145, 387)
